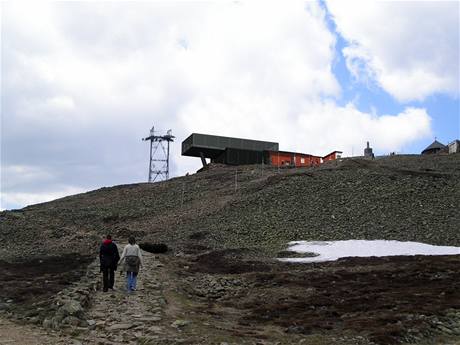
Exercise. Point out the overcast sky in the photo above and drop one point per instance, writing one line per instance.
(83, 82)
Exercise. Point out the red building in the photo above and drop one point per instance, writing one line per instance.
(293, 159)
(332, 156)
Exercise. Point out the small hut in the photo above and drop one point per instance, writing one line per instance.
(435, 147)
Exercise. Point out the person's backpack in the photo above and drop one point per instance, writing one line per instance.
(132, 260)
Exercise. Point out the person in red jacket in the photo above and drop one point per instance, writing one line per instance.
(108, 257)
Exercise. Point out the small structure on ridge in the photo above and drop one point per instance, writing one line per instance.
(435, 147)
(454, 146)
(368, 152)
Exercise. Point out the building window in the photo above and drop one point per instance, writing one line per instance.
(302, 160)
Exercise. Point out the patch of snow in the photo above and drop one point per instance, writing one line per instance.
(333, 250)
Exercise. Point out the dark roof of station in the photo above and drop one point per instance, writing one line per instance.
(213, 145)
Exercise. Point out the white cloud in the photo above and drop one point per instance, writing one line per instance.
(20, 174)
(29, 184)
(22, 199)
(316, 127)
(410, 48)
(84, 82)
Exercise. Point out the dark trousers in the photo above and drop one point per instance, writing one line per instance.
(108, 277)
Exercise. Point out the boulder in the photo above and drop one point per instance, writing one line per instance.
(155, 248)
(72, 308)
(180, 323)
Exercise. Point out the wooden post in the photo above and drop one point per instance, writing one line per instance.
(236, 179)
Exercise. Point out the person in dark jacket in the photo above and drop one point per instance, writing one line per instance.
(108, 256)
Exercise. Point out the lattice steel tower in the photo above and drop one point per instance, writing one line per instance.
(159, 155)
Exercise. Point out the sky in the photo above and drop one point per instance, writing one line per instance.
(83, 82)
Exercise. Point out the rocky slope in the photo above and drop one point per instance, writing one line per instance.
(399, 197)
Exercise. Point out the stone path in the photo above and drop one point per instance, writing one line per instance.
(143, 317)
(118, 317)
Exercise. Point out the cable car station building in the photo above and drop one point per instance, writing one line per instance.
(236, 151)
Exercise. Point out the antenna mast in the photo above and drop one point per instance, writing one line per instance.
(159, 159)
